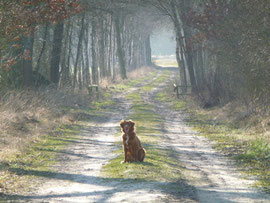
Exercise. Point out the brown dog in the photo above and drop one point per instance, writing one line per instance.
(131, 143)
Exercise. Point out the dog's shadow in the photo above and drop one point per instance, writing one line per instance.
(142, 163)
(147, 163)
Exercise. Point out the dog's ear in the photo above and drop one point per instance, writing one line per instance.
(122, 123)
(132, 123)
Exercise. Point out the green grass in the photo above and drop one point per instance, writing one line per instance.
(124, 87)
(161, 96)
(256, 161)
(166, 62)
(166, 96)
(147, 121)
(163, 77)
(258, 150)
(102, 105)
(135, 82)
(159, 165)
(134, 96)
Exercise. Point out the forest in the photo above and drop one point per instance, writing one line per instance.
(222, 46)
(75, 43)
(52, 52)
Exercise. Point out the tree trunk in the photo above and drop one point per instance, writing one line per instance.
(120, 52)
(66, 73)
(191, 68)
(80, 73)
(44, 43)
(180, 46)
(78, 51)
(101, 49)
(65, 77)
(114, 55)
(27, 61)
(56, 52)
(181, 65)
(148, 52)
(184, 32)
(94, 54)
(217, 87)
(201, 64)
(135, 53)
(130, 52)
(87, 64)
(110, 49)
(185, 6)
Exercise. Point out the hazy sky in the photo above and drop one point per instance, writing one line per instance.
(163, 42)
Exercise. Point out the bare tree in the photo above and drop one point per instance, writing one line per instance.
(56, 52)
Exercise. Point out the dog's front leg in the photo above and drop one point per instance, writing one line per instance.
(125, 151)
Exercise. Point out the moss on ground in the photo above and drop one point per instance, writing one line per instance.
(138, 81)
(103, 105)
(161, 79)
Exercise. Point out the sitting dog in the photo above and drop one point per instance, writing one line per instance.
(131, 143)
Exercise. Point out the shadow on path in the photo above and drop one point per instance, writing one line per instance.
(184, 190)
(111, 185)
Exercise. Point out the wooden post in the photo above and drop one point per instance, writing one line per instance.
(180, 90)
(93, 89)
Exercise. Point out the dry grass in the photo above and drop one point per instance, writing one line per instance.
(165, 61)
(237, 116)
(140, 72)
(27, 115)
(133, 74)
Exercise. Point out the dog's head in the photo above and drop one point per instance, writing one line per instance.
(127, 126)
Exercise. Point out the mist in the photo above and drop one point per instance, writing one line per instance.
(163, 42)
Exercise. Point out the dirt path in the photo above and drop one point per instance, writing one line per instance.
(77, 177)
